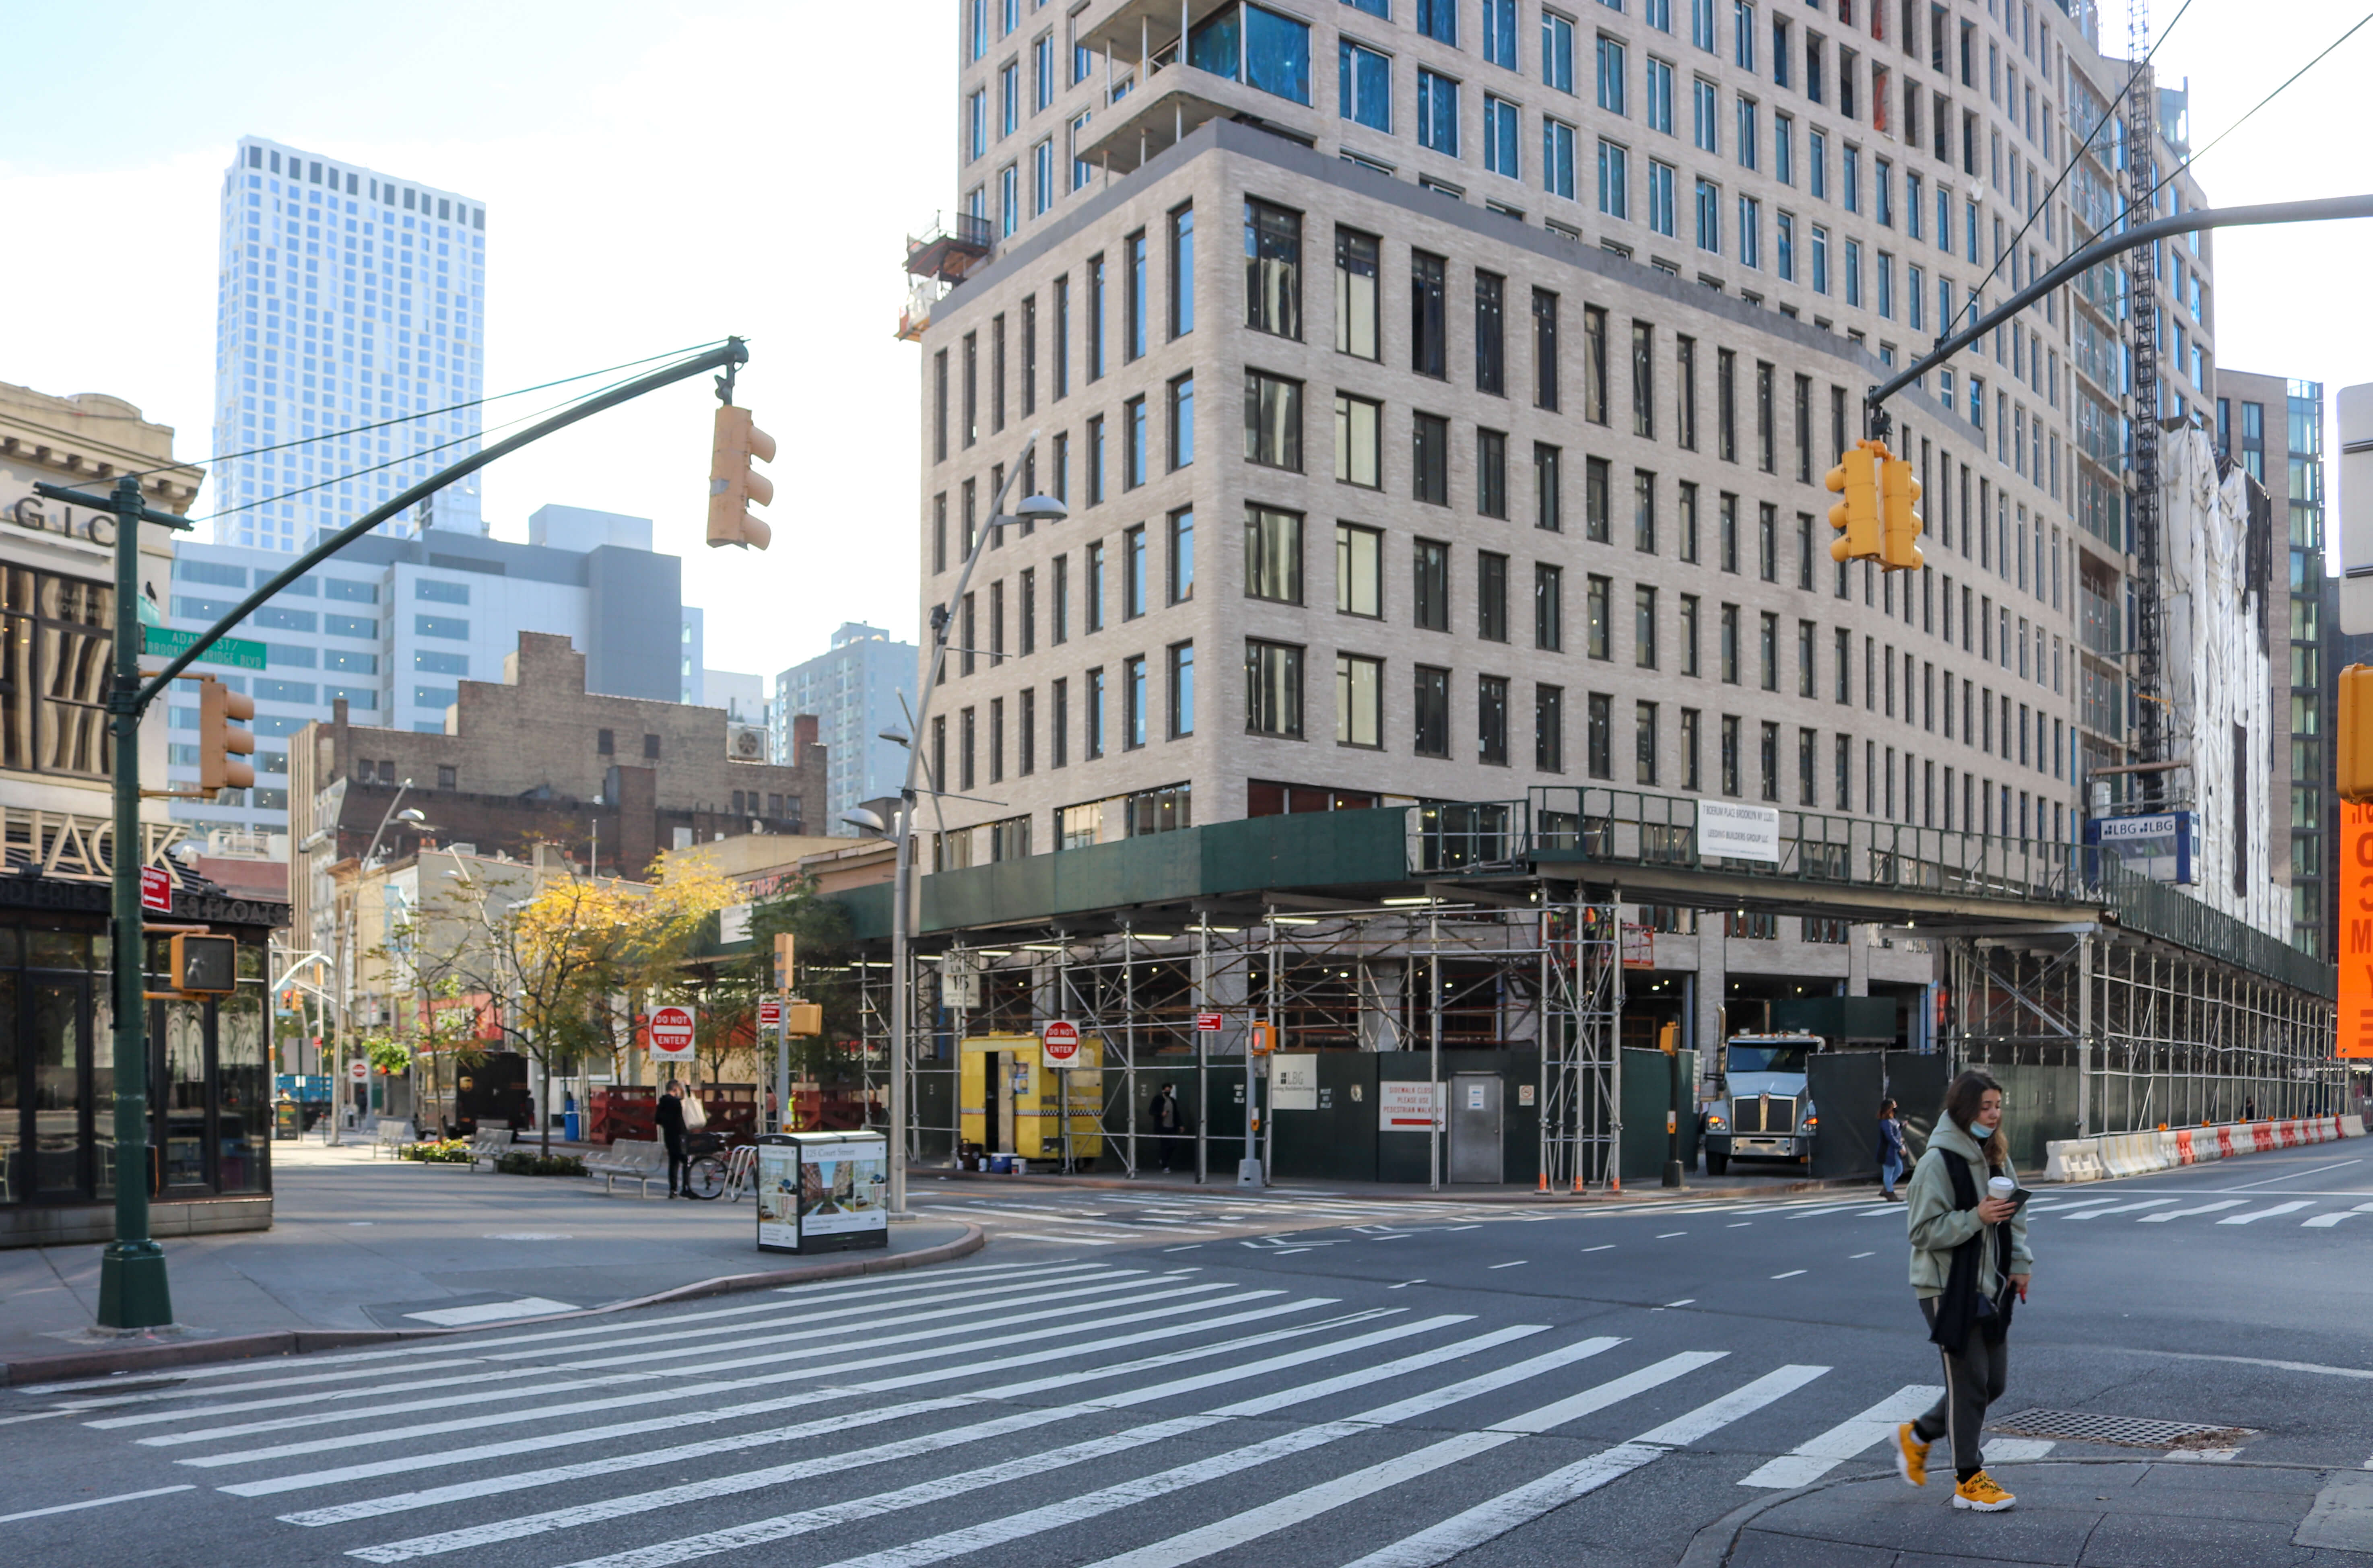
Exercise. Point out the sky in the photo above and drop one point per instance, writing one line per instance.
(657, 177)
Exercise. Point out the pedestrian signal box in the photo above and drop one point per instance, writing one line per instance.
(204, 965)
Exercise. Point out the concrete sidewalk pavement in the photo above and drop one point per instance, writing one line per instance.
(2144, 1512)
(361, 1248)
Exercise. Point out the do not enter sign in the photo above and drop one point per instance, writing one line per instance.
(671, 1033)
(1061, 1043)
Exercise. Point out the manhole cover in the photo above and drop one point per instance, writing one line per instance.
(2126, 1432)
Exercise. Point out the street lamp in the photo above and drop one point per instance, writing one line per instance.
(1034, 510)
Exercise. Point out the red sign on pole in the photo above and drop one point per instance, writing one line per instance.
(156, 890)
(671, 1033)
(1208, 1023)
(1061, 1042)
(770, 1015)
(358, 1069)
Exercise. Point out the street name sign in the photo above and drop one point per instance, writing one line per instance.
(168, 642)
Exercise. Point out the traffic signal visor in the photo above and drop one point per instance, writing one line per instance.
(1899, 526)
(1855, 517)
(733, 486)
(222, 744)
(2355, 759)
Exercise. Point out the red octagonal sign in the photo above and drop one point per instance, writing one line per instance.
(671, 1031)
(1061, 1042)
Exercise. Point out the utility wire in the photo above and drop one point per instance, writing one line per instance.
(2107, 120)
(424, 414)
(458, 440)
(2261, 103)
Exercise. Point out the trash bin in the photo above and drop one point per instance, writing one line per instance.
(823, 1191)
(570, 1123)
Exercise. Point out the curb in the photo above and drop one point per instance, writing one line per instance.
(300, 1342)
(1637, 1195)
(1711, 1546)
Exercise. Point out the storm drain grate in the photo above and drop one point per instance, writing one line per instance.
(2126, 1432)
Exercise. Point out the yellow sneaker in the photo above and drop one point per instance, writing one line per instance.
(1981, 1494)
(1910, 1455)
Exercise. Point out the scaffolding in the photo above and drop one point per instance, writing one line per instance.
(1412, 975)
(2143, 1034)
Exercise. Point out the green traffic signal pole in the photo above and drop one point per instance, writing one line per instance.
(134, 1292)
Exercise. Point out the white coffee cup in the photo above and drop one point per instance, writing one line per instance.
(2001, 1187)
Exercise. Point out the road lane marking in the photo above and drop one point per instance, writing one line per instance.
(1861, 1254)
(2293, 1206)
(1789, 1275)
(96, 1502)
(1517, 1264)
(2294, 1176)
(2180, 1213)
(2335, 1218)
(1602, 1247)
(1488, 1521)
(2127, 1208)
(1817, 1456)
(1668, 1236)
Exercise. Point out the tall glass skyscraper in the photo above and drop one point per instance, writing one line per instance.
(346, 299)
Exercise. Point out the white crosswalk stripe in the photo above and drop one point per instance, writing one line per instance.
(2254, 1215)
(1817, 1456)
(996, 1415)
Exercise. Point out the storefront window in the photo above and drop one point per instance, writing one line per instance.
(244, 1092)
(184, 1108)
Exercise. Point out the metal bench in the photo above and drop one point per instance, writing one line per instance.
(390, 1135)
(632, 1160)
(489, 1147)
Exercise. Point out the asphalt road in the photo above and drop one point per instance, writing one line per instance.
(1303, 1379)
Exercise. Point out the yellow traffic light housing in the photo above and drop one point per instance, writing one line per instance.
(1668, 1037)
(221, 744)
(2355, 762)
(199, 964)
(733, 486)
(1856, 516)
(1899, 526)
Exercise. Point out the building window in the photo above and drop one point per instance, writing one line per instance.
(1429, 318)
(1359, 570)
(1548, 485)
(1599, 616)
(1692, 777)
(1430, 596)
(1594, 498)
(1598, 740)
(1643, 626)
(1094, 572)
(1272, 421)
(1359, 700)
(1358, 438)
(1557, 51)
(1132, 572)
(1182, 565)
(1272, 270)
(1500, 156)
(1432, 711)
(1490, 596)
(1729, 754)
(1273, 688)
(1357, 269)
(1643, 511)
(1132, 450)
(1182, 272)
(1545, 347)
(1610, 74)
(1490, 335)
(1614, 177)
(1273, 555)
(1491, 472)
(1549, 729)
(1548, 607)
(1430, 458)
(1492, 720)
(1730, 645)
(1437, 109)
(1365, 85)
(1557, 158)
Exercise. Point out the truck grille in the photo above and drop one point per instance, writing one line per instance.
(1763, 1113)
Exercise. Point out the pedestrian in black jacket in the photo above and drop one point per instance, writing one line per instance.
(670, 1120)
(1168, 1123)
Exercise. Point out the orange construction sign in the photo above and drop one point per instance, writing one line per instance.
(2355, 956)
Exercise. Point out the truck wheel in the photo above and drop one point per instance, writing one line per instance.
(1717, 1163)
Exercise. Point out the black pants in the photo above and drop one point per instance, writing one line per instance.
(1973, 1380)
(679, 1179)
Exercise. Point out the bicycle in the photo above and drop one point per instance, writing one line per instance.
(717, 1171)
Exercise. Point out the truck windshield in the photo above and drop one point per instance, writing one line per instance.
(1774, 1058)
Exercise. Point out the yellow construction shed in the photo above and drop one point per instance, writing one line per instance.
(1007, 1097)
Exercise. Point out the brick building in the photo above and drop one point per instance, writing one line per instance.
(536, 758)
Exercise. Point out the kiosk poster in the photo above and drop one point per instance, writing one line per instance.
(841, 1188)
(779, 1193)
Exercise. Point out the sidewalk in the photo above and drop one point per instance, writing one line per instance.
(2080, 1514)
(1694, 1189)
(361, 1248)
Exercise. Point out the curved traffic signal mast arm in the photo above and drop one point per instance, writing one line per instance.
(2322, 209)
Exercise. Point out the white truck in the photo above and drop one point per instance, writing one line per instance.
(1762, 1108)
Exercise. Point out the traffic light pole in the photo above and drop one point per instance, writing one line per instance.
(2323, 209)
(133, 1292)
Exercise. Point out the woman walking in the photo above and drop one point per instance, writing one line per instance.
(1970, 1267)
(1890, 1152)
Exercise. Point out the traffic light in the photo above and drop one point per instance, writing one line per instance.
(218, 738)
(2355, 759)
(1900, 527)
(786, 950)
(1856, 516)
(733, 486)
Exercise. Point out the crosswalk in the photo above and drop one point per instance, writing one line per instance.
(1076, 1410)
(2123, 1204)
(1119, 1218)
